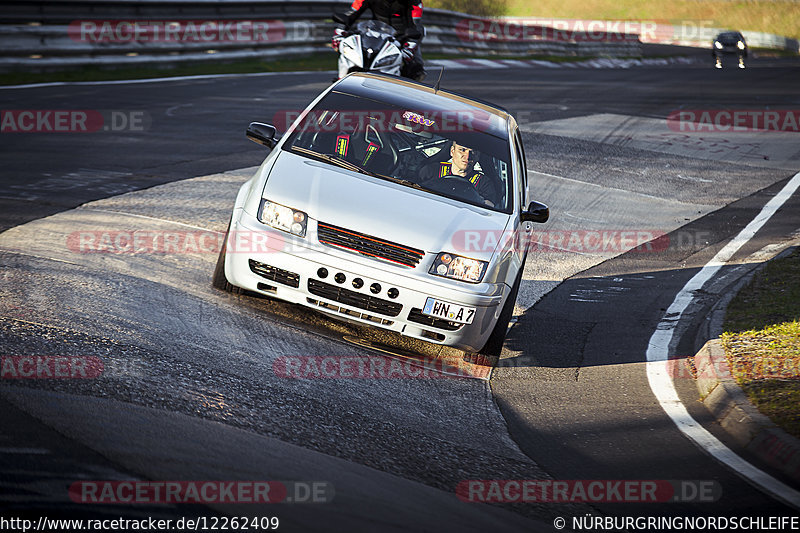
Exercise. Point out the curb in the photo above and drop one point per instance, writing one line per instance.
(729, 404)
(602, 62)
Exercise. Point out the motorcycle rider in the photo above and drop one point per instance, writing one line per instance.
(405, 16)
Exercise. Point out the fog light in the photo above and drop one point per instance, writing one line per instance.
(358, 283)
(393, 293)
(339, 278)
(375, 288)
(322, 272)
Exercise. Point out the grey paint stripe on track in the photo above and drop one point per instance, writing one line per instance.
(658, 355)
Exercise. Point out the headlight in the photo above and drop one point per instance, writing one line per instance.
(283, 218)
(740, 45)
(717, 45)
(457, 267)
(386, 60)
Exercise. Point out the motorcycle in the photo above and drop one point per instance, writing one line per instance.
(370, 45)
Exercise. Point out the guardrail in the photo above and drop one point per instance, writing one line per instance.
(48, 35)
(694, 33)
(65, 11)
(755, 39)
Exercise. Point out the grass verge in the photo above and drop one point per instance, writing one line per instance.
(769, 16)
(762, 341)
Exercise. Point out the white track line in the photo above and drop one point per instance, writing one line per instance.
(158, 80)
(658, 354)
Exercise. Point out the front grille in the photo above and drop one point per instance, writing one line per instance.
(350, 312)
(368, 245)
(353, 299)
(275, 274)
(439, 323)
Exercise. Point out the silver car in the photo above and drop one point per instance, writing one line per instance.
(392, 204)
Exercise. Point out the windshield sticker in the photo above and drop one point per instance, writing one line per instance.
(419, 119)
(371, 149)
(342, 142)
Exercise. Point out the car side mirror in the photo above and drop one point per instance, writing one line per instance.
(536, 212)
(261, 133)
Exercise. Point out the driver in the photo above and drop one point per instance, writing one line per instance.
(462, 165)
(405, 17)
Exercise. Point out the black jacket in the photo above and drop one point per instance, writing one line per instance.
(396, 13)
(488, 189)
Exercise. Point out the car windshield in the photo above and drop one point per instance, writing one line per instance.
(729, 37)
(445, 153)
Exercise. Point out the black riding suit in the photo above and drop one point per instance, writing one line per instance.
(400, 15)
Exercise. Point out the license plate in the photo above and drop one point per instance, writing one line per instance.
(448, 311)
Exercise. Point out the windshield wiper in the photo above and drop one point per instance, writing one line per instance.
(401, 181)
(331, 159)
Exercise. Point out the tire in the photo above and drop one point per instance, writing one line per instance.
(489, 355)
(219, 281)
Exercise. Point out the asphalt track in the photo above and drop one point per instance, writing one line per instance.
(191, 392)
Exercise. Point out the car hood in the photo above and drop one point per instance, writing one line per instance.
(383, 209)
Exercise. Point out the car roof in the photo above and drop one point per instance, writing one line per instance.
(423, 98)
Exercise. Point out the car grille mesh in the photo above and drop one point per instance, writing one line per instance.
(275, 274)
(368, 245)
(353, 298)
(416, 316)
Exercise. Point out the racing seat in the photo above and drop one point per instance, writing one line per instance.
(374, 152)
(441, 156)
(489, 171)
(381, 163)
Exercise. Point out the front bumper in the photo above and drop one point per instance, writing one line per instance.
(290, 269)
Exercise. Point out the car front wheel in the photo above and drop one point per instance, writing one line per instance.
(219, 280)
(489, 355)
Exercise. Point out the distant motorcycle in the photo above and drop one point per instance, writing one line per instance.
(369, 46)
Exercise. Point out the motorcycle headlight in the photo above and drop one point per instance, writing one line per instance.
(460, 268)
(386, 59)
(283, 218)
(717, 45)
(350, 48)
